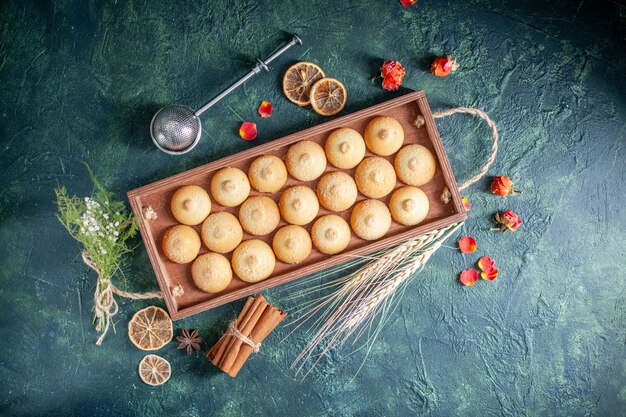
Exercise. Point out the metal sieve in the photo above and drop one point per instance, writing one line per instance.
(176, 129)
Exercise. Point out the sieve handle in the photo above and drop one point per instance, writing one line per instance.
(260, 66)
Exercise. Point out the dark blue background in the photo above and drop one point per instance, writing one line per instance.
(80, 81)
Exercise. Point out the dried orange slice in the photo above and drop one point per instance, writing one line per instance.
(154, 370)
(150, 328)
(328, 96)
(298, 80)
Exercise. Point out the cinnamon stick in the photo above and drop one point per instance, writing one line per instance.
(255, 322)
(248, 323)
(231, 343)
(268, 321)
(220, 347)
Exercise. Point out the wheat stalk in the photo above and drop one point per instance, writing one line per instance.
(357, 299)
(380, 294)
(371, 305)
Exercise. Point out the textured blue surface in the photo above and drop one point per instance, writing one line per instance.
(81, 80)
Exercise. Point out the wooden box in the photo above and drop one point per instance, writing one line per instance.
(158, 194)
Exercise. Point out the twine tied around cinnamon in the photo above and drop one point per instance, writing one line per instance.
(105, 304)
(234, 330)
(245, 334)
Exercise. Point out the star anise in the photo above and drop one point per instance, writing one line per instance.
(189, 340)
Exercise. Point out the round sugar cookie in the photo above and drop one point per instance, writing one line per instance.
(298, 205)
(336, 191)
(211, 272)
(345, 148)
(190, 205)
(415, 165)
(230, 187)
(181, 244)
(253, 260)
(259, 215)
(221, 232)
(330, 234)
(292, 244)
(409, 205)
(370, 219)
(375, 177)
(267, 174)
(384, 135)
(305, 160)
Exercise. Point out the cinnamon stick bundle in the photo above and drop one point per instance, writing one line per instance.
(255, 322)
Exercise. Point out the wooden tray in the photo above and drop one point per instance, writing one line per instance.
(158, 194)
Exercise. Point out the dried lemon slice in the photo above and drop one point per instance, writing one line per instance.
(298, 80)
(150, 328)
(154, 370)
(328, 96)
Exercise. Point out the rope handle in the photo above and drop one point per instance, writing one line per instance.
(419, 122)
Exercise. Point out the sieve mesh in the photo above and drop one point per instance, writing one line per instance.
(175, 128)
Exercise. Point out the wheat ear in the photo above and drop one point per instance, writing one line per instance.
(355, 304)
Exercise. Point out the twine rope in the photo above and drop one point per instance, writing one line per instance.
(234, 330)
(105, 304)
(495, 137)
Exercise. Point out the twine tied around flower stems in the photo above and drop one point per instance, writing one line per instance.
(234, 330)
(105, 304)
